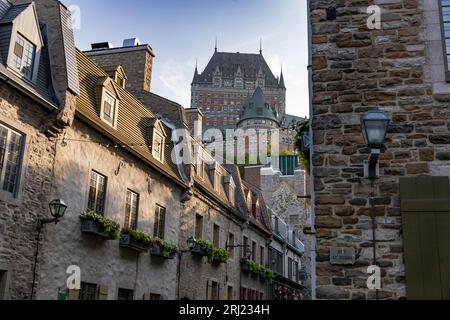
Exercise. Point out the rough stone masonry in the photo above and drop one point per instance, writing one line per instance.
(398, 68)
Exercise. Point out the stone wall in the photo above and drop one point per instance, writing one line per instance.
(196, 272)
(354, 70)
(18, 215)
(103, 262)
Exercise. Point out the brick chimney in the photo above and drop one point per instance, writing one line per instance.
(136, 59)
(61, 48)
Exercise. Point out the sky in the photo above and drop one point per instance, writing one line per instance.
(182, 32)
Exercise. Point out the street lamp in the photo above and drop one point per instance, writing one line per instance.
(191, 242)
(374, 125)
(57, 210)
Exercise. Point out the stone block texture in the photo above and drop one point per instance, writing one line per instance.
(399, 70)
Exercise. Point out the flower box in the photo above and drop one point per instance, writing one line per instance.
(130, 242)
(98, 225)
(94, 228)
(197, 249)
(163, 249)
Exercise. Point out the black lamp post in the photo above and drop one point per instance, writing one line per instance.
(57, 210)
(374, 126)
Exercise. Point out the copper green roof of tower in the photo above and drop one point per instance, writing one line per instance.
(256, 107)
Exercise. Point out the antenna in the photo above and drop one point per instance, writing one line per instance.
(260, 46)
(215, 48)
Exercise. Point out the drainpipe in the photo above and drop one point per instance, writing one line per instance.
(313, 194)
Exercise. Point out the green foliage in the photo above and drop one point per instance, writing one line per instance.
(302, 127)
(138, 235)
(214, 254)
(109, 227)
(167, 249)
(260, 270)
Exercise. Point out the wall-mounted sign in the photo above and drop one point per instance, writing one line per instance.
(342, 256)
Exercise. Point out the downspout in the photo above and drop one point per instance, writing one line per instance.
(311, 152)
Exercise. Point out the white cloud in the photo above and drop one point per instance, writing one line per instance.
(174, 80)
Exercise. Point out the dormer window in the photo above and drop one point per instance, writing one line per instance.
(109, 109)
(25, 42)
(217, 181)
(239, 83)
(158, 144)
(110, 101)
(157, 138)
(24, 57)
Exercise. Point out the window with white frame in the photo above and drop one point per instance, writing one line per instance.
(24, 56)
(131, 210)
(109, 109)
(10, 159)
(158, 146)
(160, 222)
(97, 192)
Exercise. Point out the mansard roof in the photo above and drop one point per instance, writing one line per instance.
(229, 63)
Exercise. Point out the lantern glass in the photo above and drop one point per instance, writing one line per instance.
(191, 242)
(57, 208)
(374, 126)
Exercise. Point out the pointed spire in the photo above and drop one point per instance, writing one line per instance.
(260, 46)
(215, 47)
(281, 83)
(195, 80)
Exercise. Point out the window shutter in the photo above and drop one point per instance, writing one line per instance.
(73, 294)
(162, 222)
(103, 293)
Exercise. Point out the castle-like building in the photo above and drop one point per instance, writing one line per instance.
(221, 90)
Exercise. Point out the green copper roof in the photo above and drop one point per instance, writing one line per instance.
(257, 107)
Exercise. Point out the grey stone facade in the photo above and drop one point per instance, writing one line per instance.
(398, 69)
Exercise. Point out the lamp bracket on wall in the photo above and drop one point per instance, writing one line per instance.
(121, 165)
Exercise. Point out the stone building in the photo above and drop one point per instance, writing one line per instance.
(286, 252)
(221, 89)
(92, 134)
(213, 190)
(37, 90)
(116, 160)
(401, 69)
(286, 195)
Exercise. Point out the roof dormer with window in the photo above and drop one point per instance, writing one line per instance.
(230, 188)
(157, 137)
(109, 98)
(21, 26)
(117, 73)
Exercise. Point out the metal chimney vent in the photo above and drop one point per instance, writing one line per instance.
(132, 42)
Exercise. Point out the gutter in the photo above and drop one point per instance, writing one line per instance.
(312, 190)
